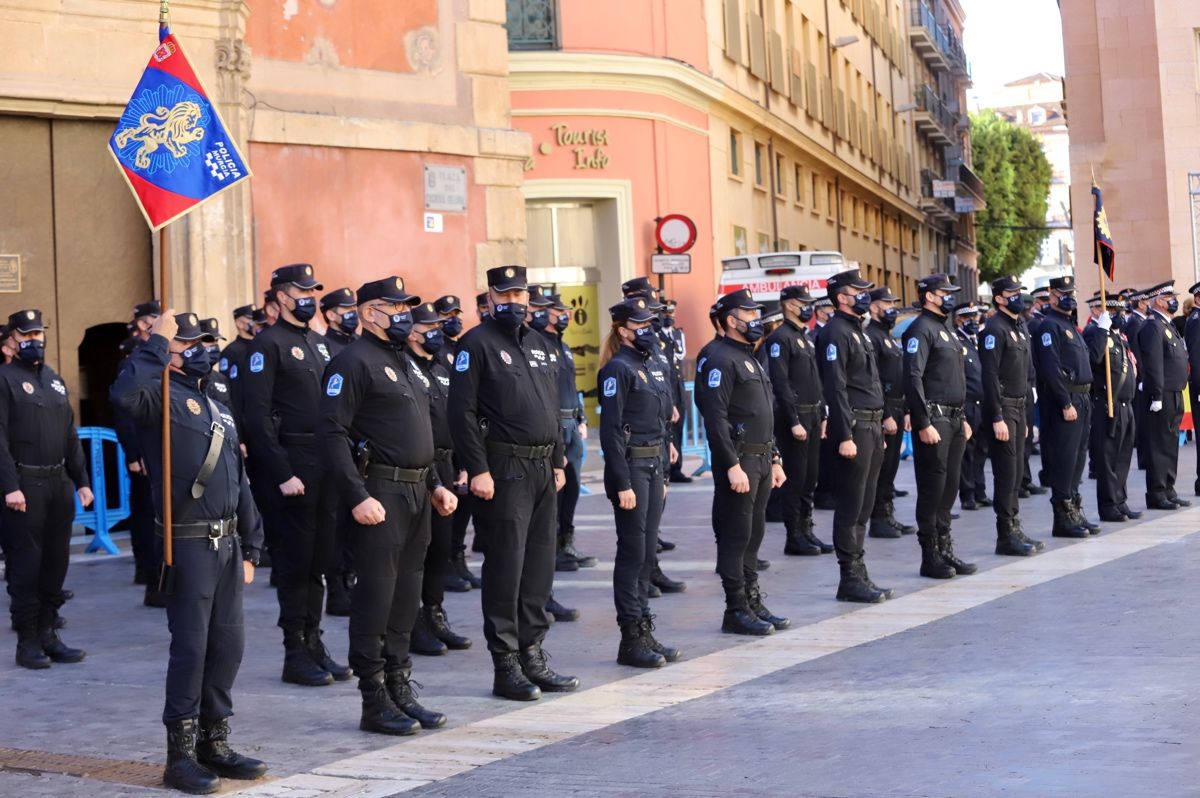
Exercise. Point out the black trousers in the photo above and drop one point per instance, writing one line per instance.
(264, 499)
(1027, 476)
(801, 464)
(637, 540)
(437, 556)
(856, 479)
(885, 491)
(1162, 447)
(1195, 388)
(937, 469)
(462, 520)
(568, 497)
(146, 545)
(1064, 446)
(306, 526)
(1009, 461)
(204, 614)
(1112, 448)
(741, 519)
(518, 565)
(971, 483)
(677, 436)
(37, 547)
(389, 559)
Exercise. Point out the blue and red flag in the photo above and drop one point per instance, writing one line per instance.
(170, 143)
(1105, 251)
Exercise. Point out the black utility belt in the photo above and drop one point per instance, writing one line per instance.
(1012, 401)
(567, 415)
(298, 438)
(443, 454)
(41, 471)
(397, 474)
(211, 530)
(524, 452)
(1103, 399)
(868, 416)
(754, 448)
(945, 411)
(644, 451)
(1080, 388)
(809, 408)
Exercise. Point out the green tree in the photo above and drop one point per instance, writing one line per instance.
(1016, 178)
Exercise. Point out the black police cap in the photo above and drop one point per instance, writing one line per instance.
(1041, 293)
(298, 274)
(426, 313)
(539, 297)
(1162, 289)
(772, 310)
(883, 294)
(937, 282)
(507, 278)
(389, 289)
(447, 304)
(738, 300)
(651, 301)
(636, 286)
(211, 330)
(799, 292)
(259, 316)
(151, 308)
(558, 302)
(632, 309)
(851, 278)
(1006, 283)
(1064, 284)
(189, 327)
(967, 310)
(481, 300)
(25, 321)
(245, 312)
(1195, 289)
(341, 298)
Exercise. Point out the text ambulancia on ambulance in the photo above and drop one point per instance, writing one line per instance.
(768, 273)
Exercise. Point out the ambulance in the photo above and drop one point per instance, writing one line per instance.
(768, 273)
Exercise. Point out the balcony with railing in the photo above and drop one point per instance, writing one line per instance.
(932, 118)
(532, 24)
(936, 41)
(939, 209)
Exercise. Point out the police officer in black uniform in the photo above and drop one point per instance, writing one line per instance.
(1191, 332)
(282, 392)
(216, 536)
(504, 400)
(936, 387)
(432, 634)
(799, 417)
(459, 577)
(734, 396)
(854, 397)
(1112, 437)
(1138, 310)
(824, 497)
(1004, 371)
(1064, 386)
(377, 434)
(972, 489)
(216, 383)
(236, 351)
(679, 350)
(889, 357)
(340, 310)
(40, 460)
(635, 415)
(1164, 373)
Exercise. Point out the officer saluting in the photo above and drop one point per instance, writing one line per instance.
(1164, 373)
(734, 396)
(504, 400)
(1064, 383)
(854, 396)
(1004, 367)
(216, 536)
(375, 407)
(40, 458)
(936, 387)
(1112, 438)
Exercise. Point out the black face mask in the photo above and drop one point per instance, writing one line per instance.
(752, 330)
(452, 327)
(806, 313)
(349, 322)
(399, 326)
(510, 314)
(540, 320)
(889, 318)
(669, 322)
(562, 322)
(643, 340)
(656, 323)
(32, 351)
(214, 352)
(305, 308)
(196, 361)
(432, 341)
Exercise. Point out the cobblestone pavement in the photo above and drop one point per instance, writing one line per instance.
(1065, 677)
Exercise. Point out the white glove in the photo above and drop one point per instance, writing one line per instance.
(1104, 321)
(1155, 407)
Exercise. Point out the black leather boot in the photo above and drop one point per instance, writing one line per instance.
(56, 649)
(561, 613)
(320, 655)
(905, 529)
(807, 527)
(796, 544)
(402, 690)
(379, 713)
(1131, 513)
(1009, 543)
(533, 662)
(298, 665)
(653, 592)
(29, 650)
(568, 546)
(183, 772)
(1077, 506)
(933, 565)
(754, 599)
(861, 567)
(423, 640)
(853, 586)
(214, 753)
(634, 650)
(669, 653)
(510, 681)
(460, 568)
(440, 624)
(1065, 525)
(665, 545)
(881, 527)
(761, 565)
(665, 583)
(739, 619)
(946, 547)
(564, 562)
(1019, 531)
(337, 597)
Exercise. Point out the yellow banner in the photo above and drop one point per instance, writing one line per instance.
(583, 336)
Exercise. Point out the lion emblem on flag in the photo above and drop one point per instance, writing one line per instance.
(172, 129)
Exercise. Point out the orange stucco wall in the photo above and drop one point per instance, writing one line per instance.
(358, 215)
(663, 28)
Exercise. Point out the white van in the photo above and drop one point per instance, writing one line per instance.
(768, 273)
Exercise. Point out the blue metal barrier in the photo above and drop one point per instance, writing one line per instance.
(102, 518)
(694, 440)
(584, 490)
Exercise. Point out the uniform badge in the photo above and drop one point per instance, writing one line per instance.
(964, 350)
(714, 378)
(1046, 339)
(642, 374)
(506, 357)
(913, 345)
(223, 365)
(58, 386)
(222, 387)
(889, 343)
(256, 362)
(749, 366)
(334, 386)
(942, 333)
(1070, 335)
(775, 349)
(233, 373)
(610, 386)
(390, 372)
(989, 342)
(463, 361)
(324, 352)
(27, 387)
(297, 353)
(1169, 335)
(1012, 334)
(831, 352)
(193, 407)
(421, 376)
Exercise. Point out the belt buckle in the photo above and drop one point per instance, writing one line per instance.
(217, 428)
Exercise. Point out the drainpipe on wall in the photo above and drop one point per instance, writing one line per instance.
(772, 186)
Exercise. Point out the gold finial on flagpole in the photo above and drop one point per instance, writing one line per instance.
(164, 13)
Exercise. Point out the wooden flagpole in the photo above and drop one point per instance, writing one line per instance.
(164, 283)
(1103, 304)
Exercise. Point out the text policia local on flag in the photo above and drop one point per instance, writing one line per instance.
(1106, 251)
(170, 143)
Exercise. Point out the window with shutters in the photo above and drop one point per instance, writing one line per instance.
(735, 154)
(733, 30)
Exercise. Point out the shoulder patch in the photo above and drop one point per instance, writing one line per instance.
(233, 372)
(334, 386)
(913, 345)
(775, 349)
(1047, 340)
(223, 365)
(610, 386)
(831, 352)
(989, 342)
(463, 361)
(256, 362)
(714, 378)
